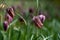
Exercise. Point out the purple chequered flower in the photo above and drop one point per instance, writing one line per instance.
(5, 25)
(38, 20)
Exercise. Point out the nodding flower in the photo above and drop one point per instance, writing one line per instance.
(31, 10)
(10, 11)
(5, 25)
(38, 20)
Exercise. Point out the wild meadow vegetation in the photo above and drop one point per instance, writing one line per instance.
(23, 28)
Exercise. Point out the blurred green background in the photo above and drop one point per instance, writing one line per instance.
(21, 31)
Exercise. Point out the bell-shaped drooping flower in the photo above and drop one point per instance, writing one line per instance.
(5, 25)
(10, 11)
(38, 20)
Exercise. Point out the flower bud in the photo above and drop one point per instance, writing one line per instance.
(5, 25)
(31, 10)
(10, 11)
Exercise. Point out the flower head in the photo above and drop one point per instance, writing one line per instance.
(10, 11)
(31, 10)
(38, 20)
(5, 25)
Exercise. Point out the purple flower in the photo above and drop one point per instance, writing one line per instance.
(10, 11)
(38, 20)
(5, 25)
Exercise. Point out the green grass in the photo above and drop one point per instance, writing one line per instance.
(28, 31)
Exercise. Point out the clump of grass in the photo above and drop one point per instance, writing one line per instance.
(27, 30)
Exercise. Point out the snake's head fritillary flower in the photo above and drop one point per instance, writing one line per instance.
(10, 11)
(38, 20)
(5, 25)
